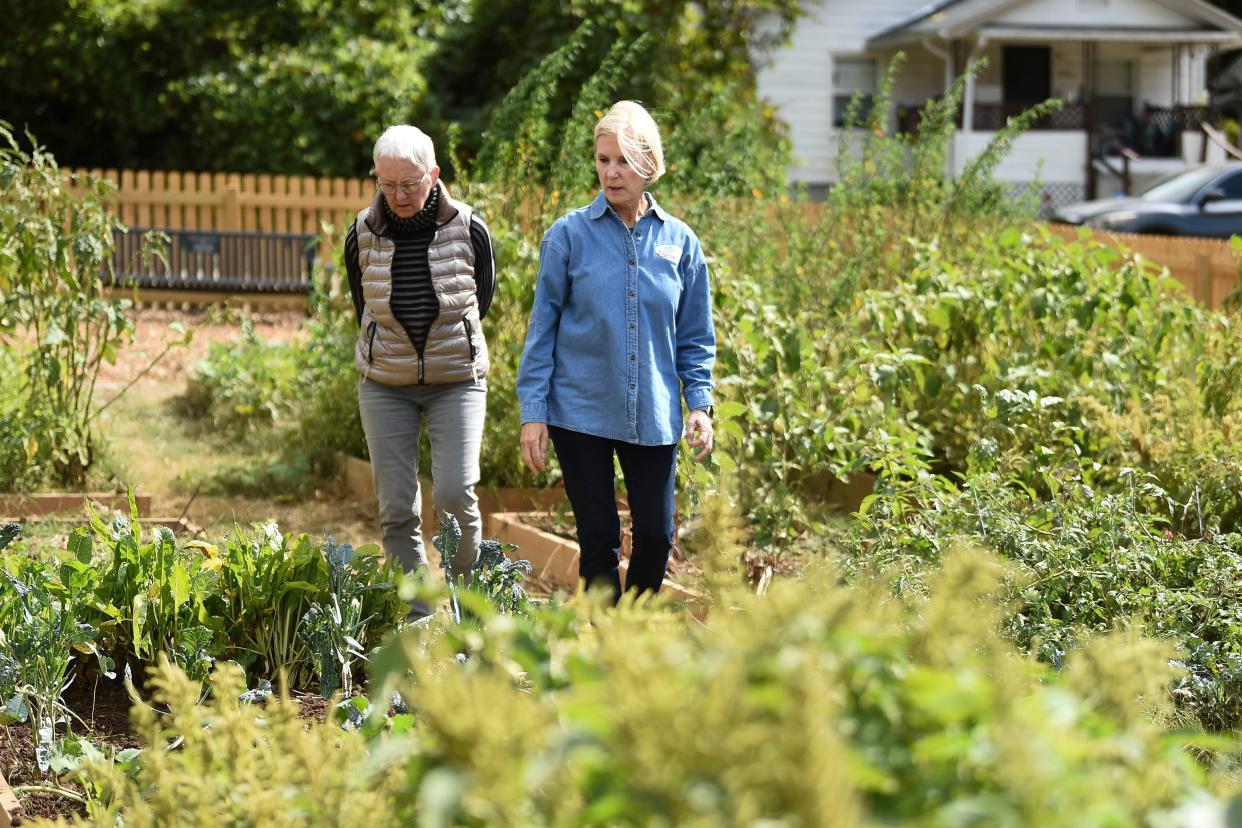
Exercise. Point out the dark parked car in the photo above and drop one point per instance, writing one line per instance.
(1198, 201)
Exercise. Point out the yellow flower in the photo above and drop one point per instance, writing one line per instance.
(755, 192)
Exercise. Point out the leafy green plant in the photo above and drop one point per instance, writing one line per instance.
(41, 633)
(335, 626)
(153, 596)
(270, 581)
(498, 578)
(1084, 562)
(59, 326)
(236, 764)
(495, 581)
(243, 388)
(816, 703)
(77, 759)
(819, 702)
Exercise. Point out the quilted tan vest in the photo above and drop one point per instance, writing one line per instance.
(455, 350)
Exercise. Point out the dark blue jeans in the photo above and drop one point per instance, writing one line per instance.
(650, 471)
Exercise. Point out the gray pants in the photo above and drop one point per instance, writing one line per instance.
(392, 417)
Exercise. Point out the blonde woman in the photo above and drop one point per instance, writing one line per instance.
(620, 334)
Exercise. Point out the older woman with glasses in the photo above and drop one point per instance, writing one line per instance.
(620, 334)
(422, 274)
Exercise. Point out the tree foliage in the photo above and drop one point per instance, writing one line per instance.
(304, 86)
(293, 86)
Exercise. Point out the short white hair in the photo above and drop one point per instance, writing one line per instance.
(405, 143)
(638, 136)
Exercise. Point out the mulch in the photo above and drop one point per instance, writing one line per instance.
(104, 707)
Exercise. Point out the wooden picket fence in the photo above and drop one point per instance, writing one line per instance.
(239, 202)
(1207, 268)
(303, 204)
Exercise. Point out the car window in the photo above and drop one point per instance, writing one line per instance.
(1231, 185)
(1180, 186)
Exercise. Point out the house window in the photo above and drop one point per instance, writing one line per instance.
(849, 76)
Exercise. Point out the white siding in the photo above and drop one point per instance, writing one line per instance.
(798, 78)
(921, 79)
(1155, 74)
(1138, 14)
(988, 81)
(1063, 156)
(1067, 75)
(1194, 75)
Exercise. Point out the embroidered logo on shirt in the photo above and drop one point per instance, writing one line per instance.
(671, 252)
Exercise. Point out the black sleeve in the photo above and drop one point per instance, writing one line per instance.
(484, 264)
(352, 270)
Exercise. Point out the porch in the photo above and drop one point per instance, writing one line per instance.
(1131, 76)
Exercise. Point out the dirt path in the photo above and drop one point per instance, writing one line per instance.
(153, 333)
(160, 455)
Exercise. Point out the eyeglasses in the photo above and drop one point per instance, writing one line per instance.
(410, 188)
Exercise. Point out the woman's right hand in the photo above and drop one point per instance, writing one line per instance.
(535, 446)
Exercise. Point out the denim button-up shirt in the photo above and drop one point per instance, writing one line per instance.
(621, 329)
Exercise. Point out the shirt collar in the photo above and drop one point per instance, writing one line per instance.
(600, 206)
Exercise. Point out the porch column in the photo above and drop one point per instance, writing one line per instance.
(1088, 102)
(968, 105)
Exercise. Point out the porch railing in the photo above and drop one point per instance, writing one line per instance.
(989, 117)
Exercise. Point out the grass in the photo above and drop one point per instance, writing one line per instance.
(161, 454)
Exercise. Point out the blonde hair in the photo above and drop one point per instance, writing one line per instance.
(638, 135)
(406, 143)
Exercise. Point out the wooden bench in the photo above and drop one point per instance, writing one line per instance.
(215, 260)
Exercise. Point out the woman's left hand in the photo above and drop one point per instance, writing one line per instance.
(699, 433)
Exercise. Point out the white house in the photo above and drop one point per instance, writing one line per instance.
(1132, 74)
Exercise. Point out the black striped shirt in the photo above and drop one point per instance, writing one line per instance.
(414, 303)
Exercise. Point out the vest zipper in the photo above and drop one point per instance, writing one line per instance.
(474, 352)
(474, 372)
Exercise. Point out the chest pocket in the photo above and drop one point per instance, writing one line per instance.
(660, 275)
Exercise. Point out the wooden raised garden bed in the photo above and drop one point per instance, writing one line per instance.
(10, 808)
(359, 482)
(554, 559)
(30, 505)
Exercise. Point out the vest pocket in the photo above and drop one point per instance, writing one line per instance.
(371, 342)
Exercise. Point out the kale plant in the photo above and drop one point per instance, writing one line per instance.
(494, 576)
(36, 650)
(334, 628)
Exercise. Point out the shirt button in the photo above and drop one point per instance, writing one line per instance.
(632, 326)
(632, 293)
(632, 386)
(631, 357)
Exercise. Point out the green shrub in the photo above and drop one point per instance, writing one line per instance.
(58, 328)
(236, 764)
(149, 596)
(242, 388)
(1083, 562)
(814, 704)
